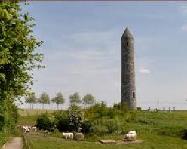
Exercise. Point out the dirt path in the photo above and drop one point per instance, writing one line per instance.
(14, 143)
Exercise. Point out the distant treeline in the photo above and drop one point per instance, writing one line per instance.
(74, 99)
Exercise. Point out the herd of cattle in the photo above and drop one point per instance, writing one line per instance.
(69, 135)
(28, 128)
(130, 136)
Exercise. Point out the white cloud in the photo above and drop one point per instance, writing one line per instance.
(184, 27)
(144, 71)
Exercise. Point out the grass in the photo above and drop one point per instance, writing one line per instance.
(29, 116)
(161, 130)
(154, 142)
(30, 112)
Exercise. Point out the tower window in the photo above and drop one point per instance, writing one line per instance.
(133, 94)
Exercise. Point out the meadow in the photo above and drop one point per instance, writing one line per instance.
(158, 130)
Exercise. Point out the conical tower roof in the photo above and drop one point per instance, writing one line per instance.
(127, 33)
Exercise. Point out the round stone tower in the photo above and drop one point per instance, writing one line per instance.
(128, 88)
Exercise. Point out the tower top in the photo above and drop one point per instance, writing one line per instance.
(127, 33)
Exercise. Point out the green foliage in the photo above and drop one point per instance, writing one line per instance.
(139, 108)
(17, 51)
(99, 110)
(184, 134)
(112, 125)
(75, 117)
(18, 57)
(124, 107)
(152, 127)
(75, 99)
(62, 121)
(70, 120)
(88, 99)
(87, 127)
(44, 99)
(59, 99)
(31, 99)
(44, 123)
(2, 122)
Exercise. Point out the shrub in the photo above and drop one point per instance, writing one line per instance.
(131, 116)
(124, 107)
(111, 113)
(44, 123)
(87, 127)
(2, 122)
(184, 134)
(75, 118)
(62, 121)
(139, 108)
(117, 106)
(112, 126)
(99, 129)
(63, 124)
(75, 122)
(171, 130)
(68, 121)
(96, 111)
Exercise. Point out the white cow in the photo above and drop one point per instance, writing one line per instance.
(34, 128)
(130, 136)
(132, 132)
(26, 128)
(67, 135)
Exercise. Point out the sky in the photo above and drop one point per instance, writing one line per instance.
(82, 49)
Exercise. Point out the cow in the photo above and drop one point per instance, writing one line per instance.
(130, 136)
(34, 128)
(67, 135)
(26, 128)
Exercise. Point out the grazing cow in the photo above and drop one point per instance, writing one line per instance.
(26, 129)
(67, 135)
(34, 128)
(132, 132)
(130, 136)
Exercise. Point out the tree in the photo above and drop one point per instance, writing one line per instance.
(44, 99)
(75, 99)
(18, 57)
(88, 99)
(75, 117)
(31, 99)
(59, 99)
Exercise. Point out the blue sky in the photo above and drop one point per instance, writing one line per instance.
(82, 49)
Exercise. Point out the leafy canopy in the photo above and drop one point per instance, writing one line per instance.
(75, 98)
(88, 99)
(59, 99)
(44, 98)
(18, 55)
(31, 98)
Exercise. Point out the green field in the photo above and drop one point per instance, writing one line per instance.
(30, 112)
(158, 130)
(151, 142)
